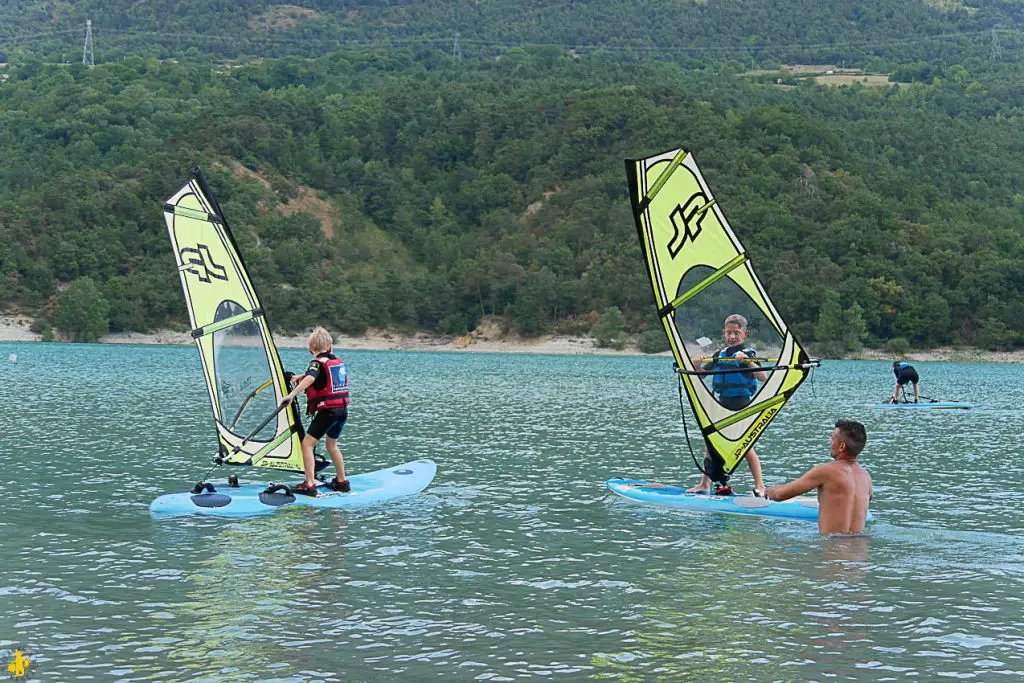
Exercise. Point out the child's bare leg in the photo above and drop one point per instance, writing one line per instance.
(915, 392)
(308, 464)
(336, 458)
(704, 485)
(705, 480)
(755, 468)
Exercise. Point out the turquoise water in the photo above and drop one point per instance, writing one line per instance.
(516, 562)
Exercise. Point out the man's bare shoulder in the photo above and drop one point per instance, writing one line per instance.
(837, 467)
(842, 468)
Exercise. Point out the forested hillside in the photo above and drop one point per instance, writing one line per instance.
(456, 190)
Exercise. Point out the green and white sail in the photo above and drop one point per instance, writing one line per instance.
(700, 274)
(241, 365)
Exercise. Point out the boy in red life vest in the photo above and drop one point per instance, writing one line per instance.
(326, 385)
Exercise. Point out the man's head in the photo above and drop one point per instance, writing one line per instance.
(734, 331)
(895, 363)
(848, 439)
(320, 341)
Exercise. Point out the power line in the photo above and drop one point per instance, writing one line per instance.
(386, 42)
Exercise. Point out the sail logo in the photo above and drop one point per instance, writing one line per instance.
(752, 435)
(19, 665)
(686, 220)
(200, 263)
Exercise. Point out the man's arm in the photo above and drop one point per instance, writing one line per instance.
(810, 480)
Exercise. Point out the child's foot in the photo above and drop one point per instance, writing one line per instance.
(303, 489)
(344, 486)
(724, 490)
(699, 489)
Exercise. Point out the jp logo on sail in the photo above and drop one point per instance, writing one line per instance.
(200, 263)
(690, 216)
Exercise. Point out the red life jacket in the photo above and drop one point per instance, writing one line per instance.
(334, 393)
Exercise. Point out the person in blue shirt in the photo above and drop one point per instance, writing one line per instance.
(734, 390)
(905, 373)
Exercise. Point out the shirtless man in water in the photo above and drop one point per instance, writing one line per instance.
(844, 487)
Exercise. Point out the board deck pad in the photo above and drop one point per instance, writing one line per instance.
(251, 499)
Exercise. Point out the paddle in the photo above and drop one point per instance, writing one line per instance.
(902, 389)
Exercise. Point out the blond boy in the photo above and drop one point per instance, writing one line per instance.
(325, 383)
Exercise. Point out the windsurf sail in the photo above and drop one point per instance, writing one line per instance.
(243, 371)
(701, 274)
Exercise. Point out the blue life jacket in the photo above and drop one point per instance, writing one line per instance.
(898, 370)
(732, 384)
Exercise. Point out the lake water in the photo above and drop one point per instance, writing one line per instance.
(516, 562)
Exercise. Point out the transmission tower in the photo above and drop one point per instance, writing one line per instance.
(457, 49)
(997, 49)
(87, 57)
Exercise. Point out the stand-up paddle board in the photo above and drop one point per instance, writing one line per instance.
(670, 495)
(949, 405)
(252, 499)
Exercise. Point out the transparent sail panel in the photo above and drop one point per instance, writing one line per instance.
(244, 378)
(701, 326)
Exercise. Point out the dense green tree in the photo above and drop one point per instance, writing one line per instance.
(829, 329)
(610, 330)
(855, 330)
(82, 311)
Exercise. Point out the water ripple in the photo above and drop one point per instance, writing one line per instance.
(516, 562)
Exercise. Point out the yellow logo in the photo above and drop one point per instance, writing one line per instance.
(20, 665)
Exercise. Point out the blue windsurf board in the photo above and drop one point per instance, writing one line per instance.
(670, 495)
(251, 499)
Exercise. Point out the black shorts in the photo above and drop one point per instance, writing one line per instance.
(328, 422)
(908, 375)
(734, 402)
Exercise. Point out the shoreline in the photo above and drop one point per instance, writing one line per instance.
(14, 328)
(17, 329)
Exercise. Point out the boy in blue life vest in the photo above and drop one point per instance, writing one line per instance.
(905, 373)
(734, 391)
(327, 397)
